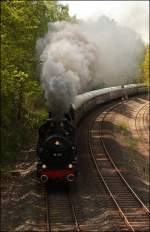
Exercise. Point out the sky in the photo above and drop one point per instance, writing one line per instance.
(133, 14)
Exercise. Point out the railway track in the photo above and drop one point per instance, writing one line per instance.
(146, 120)
(140, 122)
(133, 212)
(60, 211)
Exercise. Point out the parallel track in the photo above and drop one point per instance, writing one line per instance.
(133, 212)
(141, 114)
(60, 212)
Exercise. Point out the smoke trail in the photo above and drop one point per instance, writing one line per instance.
(79, 57)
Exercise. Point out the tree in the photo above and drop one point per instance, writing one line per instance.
(22, 22)
(145, 66)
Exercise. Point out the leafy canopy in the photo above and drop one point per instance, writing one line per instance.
(22, 22)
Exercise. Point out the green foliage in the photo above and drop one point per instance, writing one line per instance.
(133, 143)
(22, 22)
(144, 78)
(124, 129)
(57, 11)
(145, 66)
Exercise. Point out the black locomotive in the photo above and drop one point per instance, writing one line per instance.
(56, 149)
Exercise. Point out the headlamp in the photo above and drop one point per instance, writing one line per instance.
(44, 166)
(57, 142)
(70, 166)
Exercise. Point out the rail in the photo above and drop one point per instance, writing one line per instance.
(129, 224)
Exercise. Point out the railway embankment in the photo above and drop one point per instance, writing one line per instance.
(127, 130)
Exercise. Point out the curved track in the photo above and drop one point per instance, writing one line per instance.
(141, 122)
(60, 211)
(133, 212)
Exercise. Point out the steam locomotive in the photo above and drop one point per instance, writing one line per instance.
(57, 150)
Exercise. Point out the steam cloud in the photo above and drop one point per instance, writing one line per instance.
(75, 58)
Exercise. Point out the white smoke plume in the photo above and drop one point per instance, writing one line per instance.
(78, 57)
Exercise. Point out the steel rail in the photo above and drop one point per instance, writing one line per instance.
(107, 188)
(104, 182)
(112, 162)
(48, 223)
(77, 226)
(143, 119)
(48, 216)
(129, 226)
